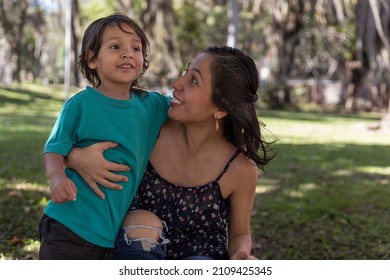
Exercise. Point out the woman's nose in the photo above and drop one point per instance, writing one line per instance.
(177, 84)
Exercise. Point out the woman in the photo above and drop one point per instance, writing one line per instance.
(202, 174)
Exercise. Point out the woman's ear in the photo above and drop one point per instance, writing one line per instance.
(91, 60)
(219, 114)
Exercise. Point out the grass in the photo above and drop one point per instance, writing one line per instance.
(26, 116)
(325, 196)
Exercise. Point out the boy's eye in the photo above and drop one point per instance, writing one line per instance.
(114, 47)
(136, 49)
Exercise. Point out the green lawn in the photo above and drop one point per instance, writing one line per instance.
(325, 196)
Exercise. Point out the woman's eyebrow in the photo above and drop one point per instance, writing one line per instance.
(195, 69)
(198, 71)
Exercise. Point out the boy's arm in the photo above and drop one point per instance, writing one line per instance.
(62, 189)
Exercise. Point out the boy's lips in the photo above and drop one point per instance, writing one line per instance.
(126, 66)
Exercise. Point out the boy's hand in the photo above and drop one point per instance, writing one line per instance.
(62, 189)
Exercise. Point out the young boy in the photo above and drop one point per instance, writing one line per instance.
(113, 57)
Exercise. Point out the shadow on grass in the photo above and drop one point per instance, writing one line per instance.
(27, 105)
(23, 187)
(35, 119)
(27, 96)
(324, 202)
(312, 117)
(19, 217)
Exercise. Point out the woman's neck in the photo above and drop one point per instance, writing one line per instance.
(203, 137)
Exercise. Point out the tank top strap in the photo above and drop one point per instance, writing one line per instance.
(228, 164)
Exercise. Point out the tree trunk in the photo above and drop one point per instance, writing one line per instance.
(158, 22)
(19, 40)
(76, 35)
(233, 15)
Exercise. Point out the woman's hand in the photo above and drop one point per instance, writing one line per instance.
(242, 255)
(95, 169)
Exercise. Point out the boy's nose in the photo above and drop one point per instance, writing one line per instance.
(127, 54)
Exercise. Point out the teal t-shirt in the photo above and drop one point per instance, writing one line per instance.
(90, 117)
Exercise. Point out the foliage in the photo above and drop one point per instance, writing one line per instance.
(325, 196)
(216, 25)
(189, 33)
(95, 9)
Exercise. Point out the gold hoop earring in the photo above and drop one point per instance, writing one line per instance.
(216, 126)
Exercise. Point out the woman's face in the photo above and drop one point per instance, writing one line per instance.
(192, 92)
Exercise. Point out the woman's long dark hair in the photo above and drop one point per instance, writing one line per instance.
(235, 81)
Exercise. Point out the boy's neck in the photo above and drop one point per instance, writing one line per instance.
(117, 92)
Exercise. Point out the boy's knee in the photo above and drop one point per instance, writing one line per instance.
(142, 224)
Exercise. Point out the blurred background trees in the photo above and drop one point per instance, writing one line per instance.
(332, 53)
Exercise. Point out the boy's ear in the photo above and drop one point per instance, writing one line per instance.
(91, 60)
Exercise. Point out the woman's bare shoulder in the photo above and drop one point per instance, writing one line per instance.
(240, 177)
(245, 168)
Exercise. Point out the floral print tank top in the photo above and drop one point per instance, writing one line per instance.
(196, 217)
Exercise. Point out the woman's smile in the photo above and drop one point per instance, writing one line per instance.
(176, 101)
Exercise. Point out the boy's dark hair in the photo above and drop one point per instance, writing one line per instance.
(92, 42)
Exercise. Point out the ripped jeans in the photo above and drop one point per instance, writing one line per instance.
(128, 248)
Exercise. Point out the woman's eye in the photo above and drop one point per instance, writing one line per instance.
(137, 49)
(194, 80)
(114, 47)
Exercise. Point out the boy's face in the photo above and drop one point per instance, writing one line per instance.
(120, 59)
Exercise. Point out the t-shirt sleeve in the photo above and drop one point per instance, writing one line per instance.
(63, 137)
(164, 104)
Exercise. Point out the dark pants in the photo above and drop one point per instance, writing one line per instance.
(60, 243)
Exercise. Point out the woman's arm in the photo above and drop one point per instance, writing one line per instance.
(90, 164)
(241, 204)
